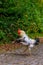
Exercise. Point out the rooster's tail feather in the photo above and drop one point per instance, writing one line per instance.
(37, 41)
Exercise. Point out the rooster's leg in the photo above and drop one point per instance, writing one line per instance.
(28, 48)
(25, 49)
(30, 52)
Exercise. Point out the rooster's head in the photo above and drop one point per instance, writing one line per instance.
(20, 32)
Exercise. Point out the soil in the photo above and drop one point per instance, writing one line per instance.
(12, 54)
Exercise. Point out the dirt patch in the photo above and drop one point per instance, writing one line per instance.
(10, 58)
(11, 54)
(8, 47)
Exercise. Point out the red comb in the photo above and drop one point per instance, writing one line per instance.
(19, 31)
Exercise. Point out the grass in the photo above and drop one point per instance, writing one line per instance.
(35, 35)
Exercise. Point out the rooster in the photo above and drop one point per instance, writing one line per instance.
(25, 40)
